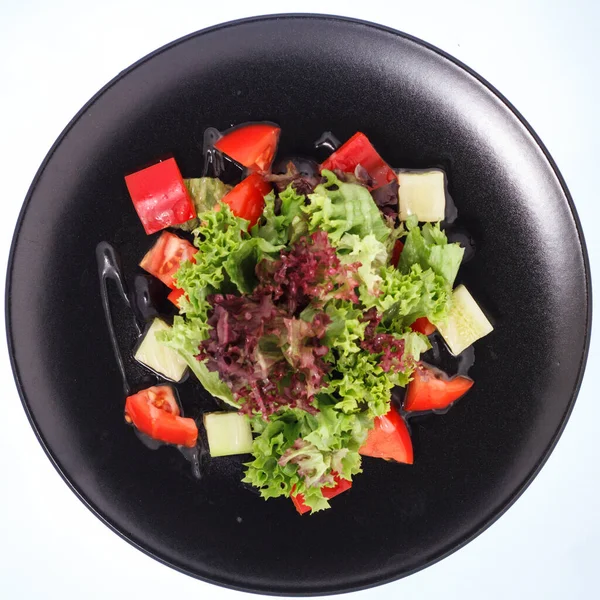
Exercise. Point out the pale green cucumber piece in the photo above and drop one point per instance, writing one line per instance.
(160, 358)
(466, 322)
(422, 193)
(228, 433)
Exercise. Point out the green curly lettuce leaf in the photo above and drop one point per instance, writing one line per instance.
(405, 297)
(298, 452)
(289, 224)
(428, 246)
(240, 265)
(338, 208)
(370, 253)
(205, 192)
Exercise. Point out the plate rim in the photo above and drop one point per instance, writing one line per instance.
(493, 517)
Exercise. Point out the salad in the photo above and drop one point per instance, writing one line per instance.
(307, 297)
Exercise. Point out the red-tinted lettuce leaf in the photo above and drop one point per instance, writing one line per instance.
(386, 198)
(390, 348)
(310, 272)
(266, 357)
(303, 183)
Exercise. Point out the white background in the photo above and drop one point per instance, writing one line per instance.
(543, 55)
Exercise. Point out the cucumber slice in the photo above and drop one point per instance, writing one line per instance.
(466, 322)
(160, 358)
(422, 193)
(228, 433)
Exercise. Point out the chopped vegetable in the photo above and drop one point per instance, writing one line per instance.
(358, 151)
(465, 323)
(175, 295)
(155, 412)
(159, 196)
(389, 439)
(423, 325)
(228, 433)
(422, 194)
(158, 357)
(341, 485)
(431, 389)
(253, 145)
(167, 255)
(246, 199)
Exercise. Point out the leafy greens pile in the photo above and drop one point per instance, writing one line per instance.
(304, 325)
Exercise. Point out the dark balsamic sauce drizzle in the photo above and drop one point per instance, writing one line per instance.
(143, 308)
(214, 163)
(328, 141)
(146, 291)
(109, 268)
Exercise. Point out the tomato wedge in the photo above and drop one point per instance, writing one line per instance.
(155, 412)
(358, 150)
(174, 296)
(389, 439)
(431, 389)
(253, 145)
(166, 256)
(424, 326)
(341, 485)
(159, 196)
(247, 198)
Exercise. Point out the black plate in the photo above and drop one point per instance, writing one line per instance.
(420, 107)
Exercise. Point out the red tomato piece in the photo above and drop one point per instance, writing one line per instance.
(358, 150)
(396, 252)
(159, 196)
(174, 296)
(155, 412)
(389, 439)
(341, 485)
(424, 326)
(253, 145)
(166, 256)
(431, 389)
(247, 198)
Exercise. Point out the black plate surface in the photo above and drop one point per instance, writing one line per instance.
(420, 108)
